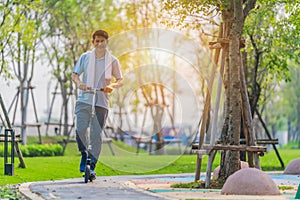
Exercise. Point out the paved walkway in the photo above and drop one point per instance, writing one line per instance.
(141, 187)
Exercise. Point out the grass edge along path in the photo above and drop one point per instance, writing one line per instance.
(64, 167)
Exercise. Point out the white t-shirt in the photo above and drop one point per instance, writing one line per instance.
(81, 68)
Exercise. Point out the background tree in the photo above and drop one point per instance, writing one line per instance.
(21, 28)
(281, 111)
(7, 27)
(271, 44)
(143, 14)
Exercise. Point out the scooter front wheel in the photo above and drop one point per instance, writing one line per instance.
(87, 173)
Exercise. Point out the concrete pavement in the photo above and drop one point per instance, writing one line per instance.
(104, 187)
(141, 187)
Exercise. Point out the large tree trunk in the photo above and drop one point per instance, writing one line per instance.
(227, 19)
(234, 87)
(231, 132)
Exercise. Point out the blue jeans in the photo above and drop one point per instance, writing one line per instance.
(83, 113)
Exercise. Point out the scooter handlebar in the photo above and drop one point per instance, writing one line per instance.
(92, 90)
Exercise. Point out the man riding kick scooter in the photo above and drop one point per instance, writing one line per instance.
(94, 69)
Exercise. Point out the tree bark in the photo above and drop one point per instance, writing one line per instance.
(230, 162)
(235, 87)
(227, 19)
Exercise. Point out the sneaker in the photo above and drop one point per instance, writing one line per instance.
(93, 175)
(83, 161)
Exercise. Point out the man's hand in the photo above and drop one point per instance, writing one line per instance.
(77, 81)
(82, 86)
(117, 84)
(113, 86)
(108, 89)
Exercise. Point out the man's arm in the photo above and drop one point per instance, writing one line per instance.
(78, 82)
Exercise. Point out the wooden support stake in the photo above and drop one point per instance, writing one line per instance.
(247, 119)
(207, 108)
(270, 138)
(210, 161)
(17, 148)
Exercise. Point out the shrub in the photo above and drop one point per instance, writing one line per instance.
(35, 150)
(9, 192)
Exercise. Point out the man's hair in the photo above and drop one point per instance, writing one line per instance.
(100, 33)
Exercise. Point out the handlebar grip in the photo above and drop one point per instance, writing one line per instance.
(97, 89)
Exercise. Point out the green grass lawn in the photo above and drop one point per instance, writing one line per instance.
(125, 162)
(63, 167)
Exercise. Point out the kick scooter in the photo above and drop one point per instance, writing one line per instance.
(87, 173)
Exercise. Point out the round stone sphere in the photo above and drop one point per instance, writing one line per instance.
(250, 181)
(293, 167)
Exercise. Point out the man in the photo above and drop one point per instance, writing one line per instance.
(96, 68)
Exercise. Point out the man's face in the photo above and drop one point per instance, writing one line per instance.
(100, 42)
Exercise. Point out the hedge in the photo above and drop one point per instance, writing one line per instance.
(35, 150)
